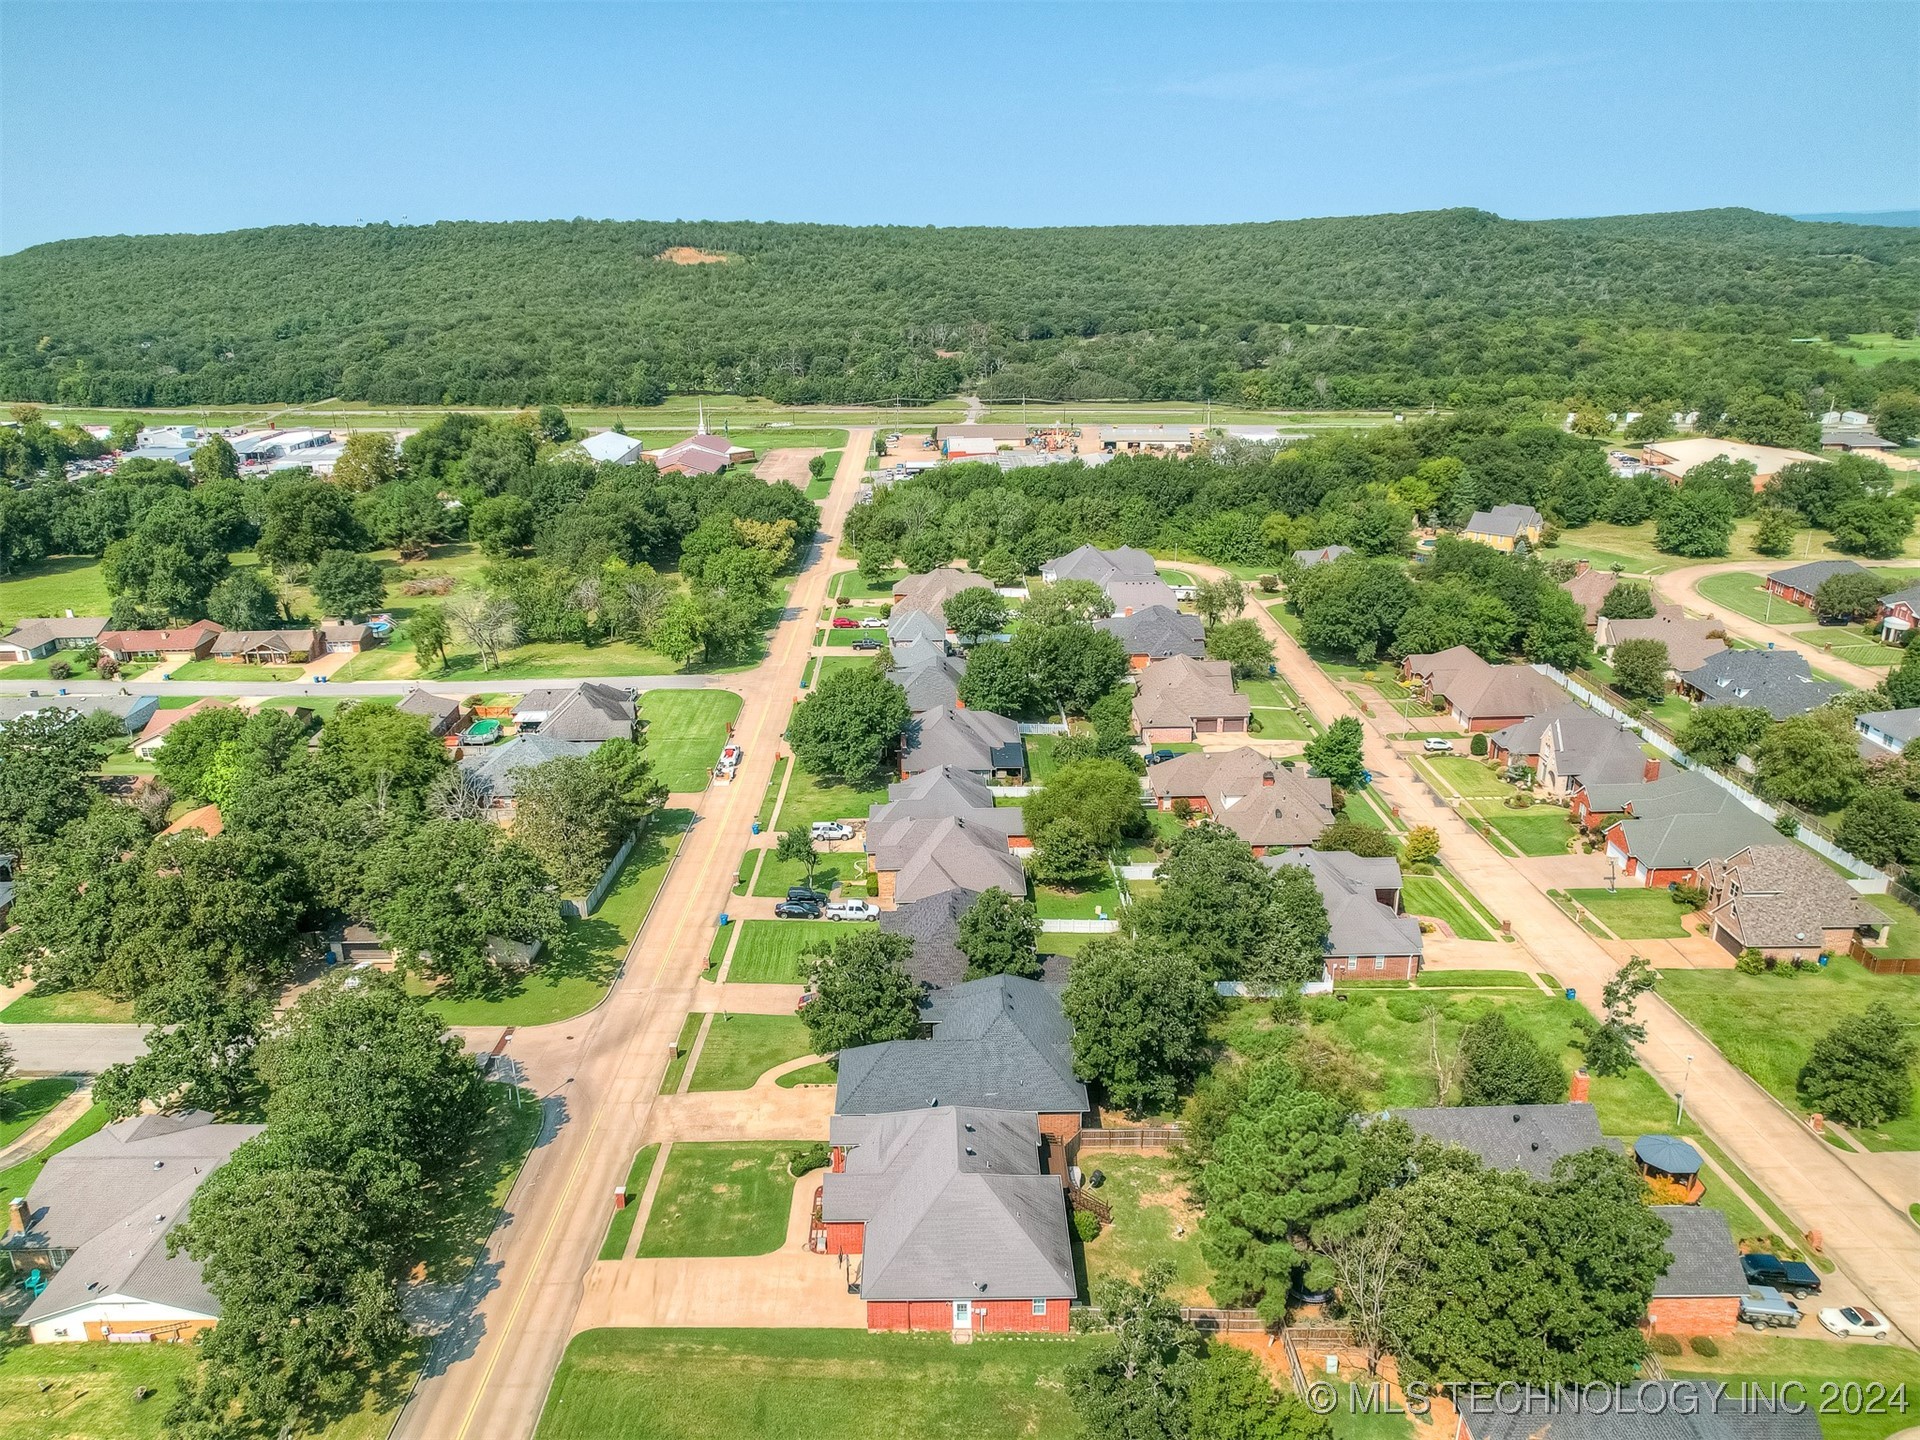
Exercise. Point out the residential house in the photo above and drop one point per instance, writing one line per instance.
(36, 639)
(1666, 831)
(95, 1221)
(930, 677)
(1478, 695)
(1674, 458)
(1781, 900)
(1002, 1044)
(1147, 439)
(1583, 748)
(1266, 803)
(1102, 567)
(1504, 527)
(132, 711)
(700, 454)
(1668, 1409)
(153, 734)
(1700, 1292)
(494, 768)
(1182, 699)
(950, 1220)
(945, 792)
(206, 819)
(1307, 559)
(920, 628)
(1886, 732)
(1129, 597)
(1798, 584)
(1367, 935)
(978, 741)
(1779, 682)
(340, 637)
(610, 447)
(1899, 613)
(1530, 1138)
(1157, 633)
(168, 647)
(933, 924)
(1854, 438)
(351, 943)
(929, 593)
(443, 713)
(1590, 587)
(587, 712)
(915, 859)
(266, 647)
(1690, 643)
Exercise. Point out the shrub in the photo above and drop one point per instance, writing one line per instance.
(1786, 825)
(1704, 1345)
(814, 1157)
(1751, 962)
(1086, 1225)
(1479, 744)
(1665, 1345)
(1268, 584)
(1691, 897)
(59, 670)
(1182, 809)
(873, 884)
(106, 667)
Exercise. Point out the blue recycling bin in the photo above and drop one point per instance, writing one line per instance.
(756, 827)
(724, 918)
(1570, 994)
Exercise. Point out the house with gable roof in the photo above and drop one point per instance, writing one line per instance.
(1268, 805)
(1157, 632)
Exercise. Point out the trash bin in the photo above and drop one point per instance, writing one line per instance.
(756, 827)
(723, 919)
(1570, 994)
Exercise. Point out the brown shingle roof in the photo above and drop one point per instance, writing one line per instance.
(1179, 689)
(1253, 795)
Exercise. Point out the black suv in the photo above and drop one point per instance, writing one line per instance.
(1795, 1277)
(798, 910)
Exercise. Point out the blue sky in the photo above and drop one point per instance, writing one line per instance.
(195, 117)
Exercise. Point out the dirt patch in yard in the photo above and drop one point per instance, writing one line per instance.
(688, 255)
(786, 465)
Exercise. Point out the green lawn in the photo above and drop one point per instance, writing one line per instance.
(851, 585)
(1767, 1024)
(86, 1391)
(1429, 896)
(1774, 1360)
(1472, 980)
(721, 1198)
(791, 1384)
(79, 1007)
(1280, 724)
(466, 1212)
(1040, 764)
(742, 1048)
(53, 587)
(1150, 1201)
(810, 798)
(682, 1052)
(1745, 593)
(765, 817)
(822, 1073)
(686, 731)
(620, 1228)
(1538, 831)
(19, 1179)
(768, 952)
(27, 1101)
(1635, 913)
(1468, 776)
(1903, 941)
(572, 976)
(830, 868)
(229, 670)
(1054, 903)
(1852, 643)
(1874, 349)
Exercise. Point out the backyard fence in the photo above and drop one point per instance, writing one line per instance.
(1883, 964)
(1211, 1321)
(1147, 1137)
(581, 909)
(1079, 927)
(1080, 1198)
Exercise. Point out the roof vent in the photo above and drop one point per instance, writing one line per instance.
(1516, 1117)
(932, 1101)
(159, 1164)
(972, 1151)
(981, 1286)
(1534, 1146)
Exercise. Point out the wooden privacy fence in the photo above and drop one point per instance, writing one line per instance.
(1883, 964)
(1212, 1321)
(1081, 1198)
(1147, 1137)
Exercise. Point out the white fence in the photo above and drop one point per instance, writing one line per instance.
(581, 909)
(1871, 881)
(1141, 871)
(1080, 927)
(1042, 727)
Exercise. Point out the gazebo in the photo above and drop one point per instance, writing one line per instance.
(1663, 1157)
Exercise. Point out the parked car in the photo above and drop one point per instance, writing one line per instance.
(1854, 1320)
(797, 910)
(863, 643)
(845, 622)
(1796, 1277)
(1437, 745)
(1765, 1308)
(830, 830)
(729, 760)
(804, 1001)
(853, 910)
(873, 622)
(1155, 757)
(812, 897)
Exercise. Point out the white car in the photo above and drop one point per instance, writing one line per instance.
(1437, 745)
(830, 830)
(873, 622)
(1854, 1320)
(853, 910)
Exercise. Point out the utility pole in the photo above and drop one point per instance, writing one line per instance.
(1680, 1111)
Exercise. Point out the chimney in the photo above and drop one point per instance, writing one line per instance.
(1580, 567)
(1651, 771)
(1577, 1092)
(1266, 780)
(19, 1218)
(839, 1160)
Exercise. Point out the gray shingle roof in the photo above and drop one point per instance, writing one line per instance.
(51, 629)
(1705, 1262)
(1778, 681)
(587, 711)
(1180, 690)
(495, 766)
(1910, 597)
(1657, 1410)
(932, 678)
(1812, 575)
(1139, 595)
(1687, 840)
(956, 1206)
(425, 702)
(1507, 520)
(997, 1044)
(1901, 725)
(906, 626)
(933, 924)
(939, 853)
(928, 594)
(1101, 566)
(1512, 1137)
(1481, 691)
(112, 1198)
(1358, 923)
(976, 740)
(1157, 632)
(1690, 643)
(1307, 559)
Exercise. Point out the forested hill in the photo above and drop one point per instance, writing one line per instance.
(1451, 306)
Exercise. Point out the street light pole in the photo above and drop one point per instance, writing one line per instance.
(1680, 1111)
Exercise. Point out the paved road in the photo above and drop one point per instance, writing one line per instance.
(1679, 588)
(1866, 1234)
(490, 1377)
(274, 690)
(63, 1049)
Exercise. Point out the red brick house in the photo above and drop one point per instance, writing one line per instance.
(1478, 695)
(1265, 803)
(1667, 831)
(1701, 1291)
(1798, 584)
(950, 1221)
(1899, 612)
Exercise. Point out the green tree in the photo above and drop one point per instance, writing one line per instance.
(1810, 760)
(379, 751)
(1640, 668)
(1628, 601)
(503, 524)
(1718, 734)
(1103, 796)
(1215, 600)
(1861, 1071)
(1215, 901)
(427, 629)
(1695, 522)
(348, 585)
(1067, 602)
(1776, 531)
(972, 614)
(1501, 1064)
(1850, 596)
(46, 760)
(1066, 853)
(553, 424)
(680, 632)
(246, 600)
(1294, 949)
(1653, 423)
(849, 724)
(569, 813)
(1351, 605)
(1876, 527)
(368, 461)
(1140, 1014)
(214, 459)
(1772, 420)
(862, 992)
(997, 680)
(1242, 644)
(1068, 667)
(1609, 1043)
(1896, 416)
(1903, 681)
(997, 934)
(1881, 827)
(1558, 633)
(796, 848)
(1135, 1385)
(305, 518)
(1336, 753)
(1231, 1398)
(126, 432)
(1356, 839)
(1423, 845)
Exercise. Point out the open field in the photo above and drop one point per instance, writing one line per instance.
(575, 974)
(739, 1049)
(721, 1198)
(52, 587)
(789, 1384)
(685, 732)
(1767, 1024)
(1877, 349)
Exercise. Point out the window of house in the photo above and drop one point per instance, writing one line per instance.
(1039, 1307)
(1379, 962)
